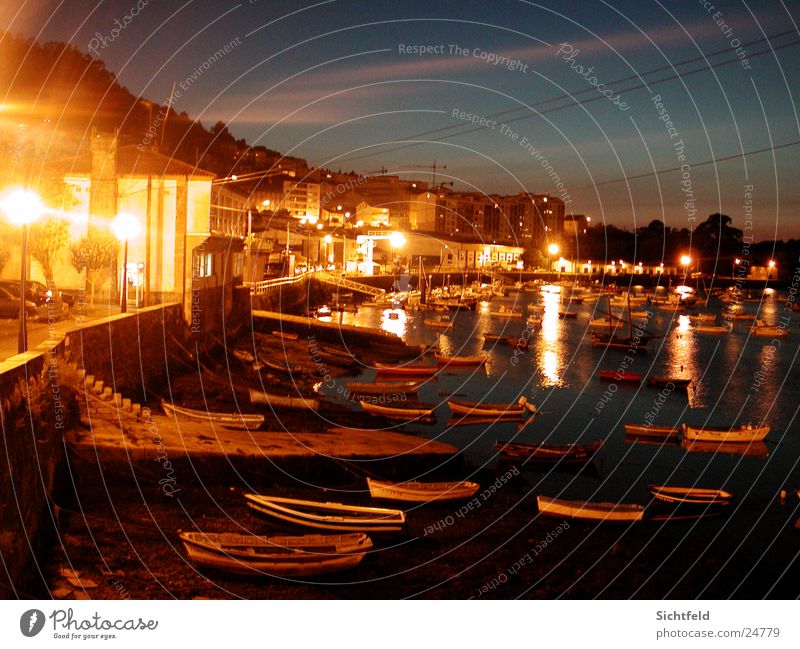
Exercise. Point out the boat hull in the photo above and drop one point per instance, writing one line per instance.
(580, 510)
(421, 492)
(739, 435)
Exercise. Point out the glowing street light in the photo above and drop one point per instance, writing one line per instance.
(770, 266)
(125, 227)
(552, 250)
(22, 207)
(397, 240)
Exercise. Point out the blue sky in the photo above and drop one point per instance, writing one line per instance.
(333, 82)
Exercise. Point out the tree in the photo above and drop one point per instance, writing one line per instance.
(46, 239)
(533, 258)
(96, 253)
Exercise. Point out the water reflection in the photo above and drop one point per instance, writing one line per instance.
(394, 321)
(549, 349)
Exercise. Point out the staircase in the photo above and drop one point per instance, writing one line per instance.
(348, 284)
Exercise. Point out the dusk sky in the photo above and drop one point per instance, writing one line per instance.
(335, 82)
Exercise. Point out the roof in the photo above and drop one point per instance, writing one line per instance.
(131, 161)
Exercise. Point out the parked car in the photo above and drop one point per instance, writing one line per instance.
(9, 306)
(48, 302)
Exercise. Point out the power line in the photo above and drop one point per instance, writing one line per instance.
(569, 98)
(704, 163)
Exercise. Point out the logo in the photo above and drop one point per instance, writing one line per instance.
(31, 622)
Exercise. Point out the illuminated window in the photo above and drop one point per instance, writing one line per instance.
(202, 264)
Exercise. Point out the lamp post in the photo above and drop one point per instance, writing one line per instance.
(125, 227)
(397, 241)
(736, 262)
(770, 266)
(22, 207)
(552, 249)
(685, 261)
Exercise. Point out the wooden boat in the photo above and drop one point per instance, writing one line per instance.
(737, 434)
(337, 360)
(760, 328)
(465, 361)
(404, 414)
(613, 375)
(282, 368)
(278, 401)
(689, 495)
(548, 453)
(228, 420)
(406, 370)
(481, 409)
(666, 381)
(581, 510)
(421, 492)
(390, 387)
(502, 311)
(285, 335)
(700, 318)
(711, 329)
(533, 321)
(612, 341)
(279, 556)
(519, 343)
(329, 516)
(655, 432)
(244, 355)
(439, 324)
(741, 316)
(605, 322)
(564, 315)
(751, 449)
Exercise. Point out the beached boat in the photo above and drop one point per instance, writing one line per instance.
(466, 361)
(582, 510)
(421, 492)
(244, 355)
(282, 368)
(655, 432)
(737, 434)
(667, 381)
(279, 401)
(760, 328)
(548, 453)
(613, 375)
(285, 335)
(406, 370)
(329, 516)
(481, 409)
(227, 420)
(689, 495)
(390, 387)
(279, 556)
(404, 414)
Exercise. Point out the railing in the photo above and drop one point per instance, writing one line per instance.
(348, 284)
(267, 285)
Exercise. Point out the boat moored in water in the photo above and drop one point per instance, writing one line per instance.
(582, 510)
(690, 495)
(734, 434)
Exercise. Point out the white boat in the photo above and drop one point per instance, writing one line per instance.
(739, 434)
(581, 510)
(228, 420)
(690, 495)
(329, 516)
(277, 401)
(421, 492)
(482, 409)
(279, 556)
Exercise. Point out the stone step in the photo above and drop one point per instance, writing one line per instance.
(126, 404)
(98, 387)
(107, 394)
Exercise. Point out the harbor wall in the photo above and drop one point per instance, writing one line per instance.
(39, 401)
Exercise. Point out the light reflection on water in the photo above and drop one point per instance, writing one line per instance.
(549, 351)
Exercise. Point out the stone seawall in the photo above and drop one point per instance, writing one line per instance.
(39, 398)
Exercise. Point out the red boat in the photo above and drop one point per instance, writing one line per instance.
(613, 375)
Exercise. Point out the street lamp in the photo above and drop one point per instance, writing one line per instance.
(736, 262)
(125, 227)
(685, 261)
(22, 207)
(552, 249)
